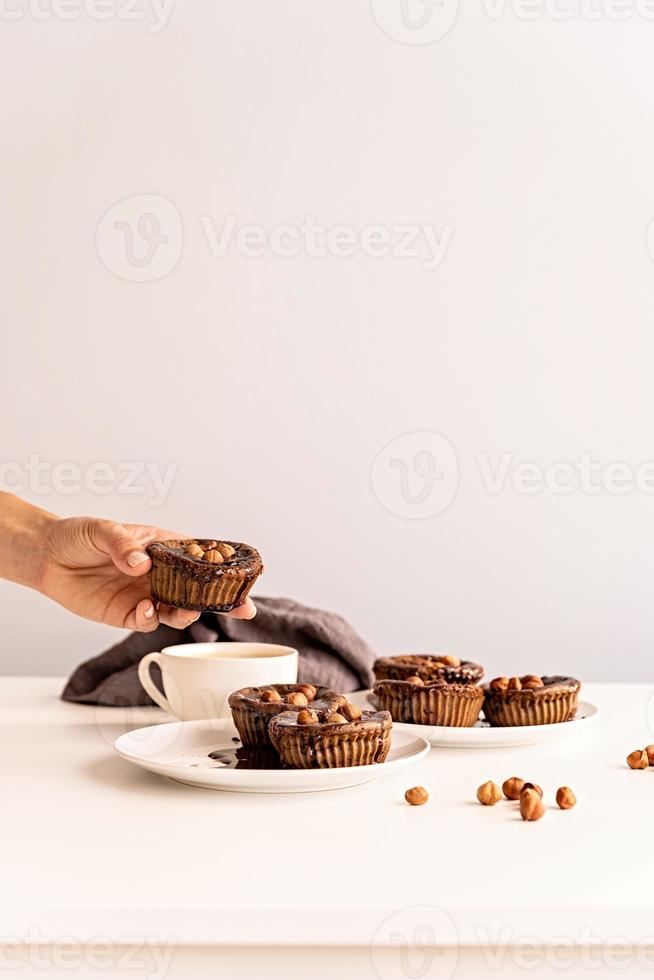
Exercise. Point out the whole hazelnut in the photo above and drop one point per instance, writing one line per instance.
(531, 805)
(309, 691)
(297, 698)
(225, 550)
(450, 661)
(307, 717)
(337, 719)
(650, 754)
(515, 684)
(565, 798)
(499, 684)
(416, 796)
(194, 551)
(532, 786)
(638, 759)
(489, 793)
(414, 679)
(271, 696)
(214, 557)
(531, 682)
(512, 787)
(350, 711)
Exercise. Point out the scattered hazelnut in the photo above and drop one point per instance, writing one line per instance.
(532, 786)
(225, 550)
(531, 682)
(195, 551)
(337, 719)
(297, 698)
(650, 754)
(450, 661)
(350, 711)
(270, 695)
(307, 717)
(512, 787)
(414, 679)
(499, 684)
(565, 798)
(214, 557)
(515, 684)
(309, 691)
(531, 805)
(638, 759)
(416, 796)
(489, 793)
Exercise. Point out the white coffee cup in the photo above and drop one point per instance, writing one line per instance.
(199, 677)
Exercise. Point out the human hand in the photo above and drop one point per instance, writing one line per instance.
(98, 569)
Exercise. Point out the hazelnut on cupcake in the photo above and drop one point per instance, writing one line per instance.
(429, 667)
(530, 700)
(253, 707)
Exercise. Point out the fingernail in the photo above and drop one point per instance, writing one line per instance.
(149, 612)
(136, 558)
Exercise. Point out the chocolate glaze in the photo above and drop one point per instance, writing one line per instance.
(246, 560)
(247, 757)
(428, 667)
(551, 683)
(250, 699)
(368, 720)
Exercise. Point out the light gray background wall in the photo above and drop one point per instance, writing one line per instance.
(273, 383)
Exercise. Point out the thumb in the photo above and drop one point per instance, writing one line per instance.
(124, 549)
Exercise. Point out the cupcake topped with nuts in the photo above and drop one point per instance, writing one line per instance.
(203, 573)
(317, 739)
(431, 702)
(429, 667)
(254, 707)
(530, 700)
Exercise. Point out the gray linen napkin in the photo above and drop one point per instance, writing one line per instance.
(331, 652)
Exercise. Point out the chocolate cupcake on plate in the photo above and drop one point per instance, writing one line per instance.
(314, 739)
(428, 667)
(254, 707)
(530, 700)
(414, 701)
(201, 573)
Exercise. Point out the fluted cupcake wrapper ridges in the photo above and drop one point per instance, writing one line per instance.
(174, 587)
(450, 706)
(252, 727)
(300, 748)
(504, 711)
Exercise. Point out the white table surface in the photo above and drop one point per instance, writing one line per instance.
(93, 846)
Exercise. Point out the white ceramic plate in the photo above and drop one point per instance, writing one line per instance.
(482, 736)
(180, 750)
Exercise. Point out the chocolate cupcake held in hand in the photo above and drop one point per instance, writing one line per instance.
(202, 573)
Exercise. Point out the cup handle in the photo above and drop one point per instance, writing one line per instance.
(147, 682)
